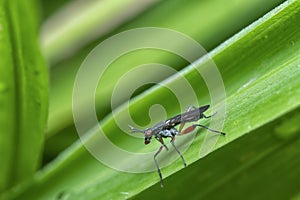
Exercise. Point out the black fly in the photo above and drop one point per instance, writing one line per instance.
(167, 129)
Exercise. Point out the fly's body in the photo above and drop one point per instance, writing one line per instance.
(166, 129)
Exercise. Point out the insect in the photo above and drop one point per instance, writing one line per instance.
(166, 129)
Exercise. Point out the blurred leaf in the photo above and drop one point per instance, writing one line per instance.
(23, 93)
(58, 143)
(208, 22)
(48, 8)
(81, 21)
(260, 66)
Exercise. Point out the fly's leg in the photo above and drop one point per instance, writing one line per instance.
(212, 130)
(181, 127)
(157, 166)
(204, 116)
(192, 127)
(172, 142)
(188, 129)
(162, 142)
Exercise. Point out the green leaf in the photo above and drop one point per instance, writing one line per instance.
(95, 18)
(23, 93)
(256, 165)
(260, 69)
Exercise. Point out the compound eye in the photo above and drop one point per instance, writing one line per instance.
(147, 140)
(148, 132)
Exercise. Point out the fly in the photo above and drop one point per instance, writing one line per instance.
(166, 129)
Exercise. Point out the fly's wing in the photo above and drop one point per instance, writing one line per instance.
(202, 109)
(194, 115)
(170, 123)
(158, 127)
(190, 116)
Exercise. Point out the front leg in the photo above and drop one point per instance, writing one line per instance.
(157, 166)
(159, 138)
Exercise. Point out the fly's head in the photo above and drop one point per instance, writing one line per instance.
(148, 135)
(147, 132)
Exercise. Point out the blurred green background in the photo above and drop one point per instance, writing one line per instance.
(255, 45)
